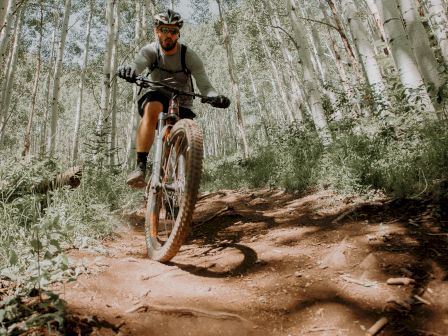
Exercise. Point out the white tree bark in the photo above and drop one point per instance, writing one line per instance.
(27, 142)
(424, 55)
(309, 77)
(9, 81)
(294, 79)
(439, 21)
(82, 75)
(366, 52)
(276, 76)
(376, 18)
(5, 26)
(105, 85)
(47, 107)
(51, 144)
(113, 78)
(233, 80)
(3, 11)
(133, 120)
(403, 56)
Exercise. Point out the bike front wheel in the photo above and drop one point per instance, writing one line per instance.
(172, 200)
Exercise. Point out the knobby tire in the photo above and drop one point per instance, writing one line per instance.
(164, 237)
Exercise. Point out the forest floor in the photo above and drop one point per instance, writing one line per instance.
(265, 262)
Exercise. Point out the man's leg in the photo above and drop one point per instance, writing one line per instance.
(144, 140)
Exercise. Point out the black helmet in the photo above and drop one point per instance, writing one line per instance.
(169, 17)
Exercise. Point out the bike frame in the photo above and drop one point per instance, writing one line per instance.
(164, 124)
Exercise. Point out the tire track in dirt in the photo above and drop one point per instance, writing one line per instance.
(266, 262)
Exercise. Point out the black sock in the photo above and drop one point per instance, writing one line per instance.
(142, 159)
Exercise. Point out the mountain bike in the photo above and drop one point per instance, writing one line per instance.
(172, 189)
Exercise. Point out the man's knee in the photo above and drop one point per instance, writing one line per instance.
(151, 110)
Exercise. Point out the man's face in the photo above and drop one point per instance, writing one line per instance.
(168, 36)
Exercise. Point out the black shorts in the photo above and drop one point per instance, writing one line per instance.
(157, 96)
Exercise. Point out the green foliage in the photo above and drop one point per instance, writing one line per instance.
(401, 157)
(19, 315)
(288, 160)
(36, 227)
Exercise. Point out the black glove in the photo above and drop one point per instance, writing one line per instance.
(218, 101)
(127, 72)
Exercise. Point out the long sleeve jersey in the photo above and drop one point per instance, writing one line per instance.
(170, 70)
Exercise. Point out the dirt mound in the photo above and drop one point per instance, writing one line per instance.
(266, 262)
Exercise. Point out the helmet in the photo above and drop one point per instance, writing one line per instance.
(168, 17)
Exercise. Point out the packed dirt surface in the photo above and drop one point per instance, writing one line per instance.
(265, 262)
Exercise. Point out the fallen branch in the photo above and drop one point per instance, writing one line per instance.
(187, 311)
(376, 328)
(422, 300)
(400, 281)
(359, 282)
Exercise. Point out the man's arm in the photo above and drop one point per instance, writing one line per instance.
(145, 58)
(196, 67)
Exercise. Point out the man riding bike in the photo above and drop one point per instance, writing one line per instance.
(172, 63)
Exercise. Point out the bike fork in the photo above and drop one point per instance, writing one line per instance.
(157, 161)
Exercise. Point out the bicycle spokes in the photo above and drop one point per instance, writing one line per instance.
(172, 188)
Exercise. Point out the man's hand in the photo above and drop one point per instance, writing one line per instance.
(218, 101)
(127, 72)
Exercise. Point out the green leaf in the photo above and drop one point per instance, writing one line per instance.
(36, 245)
(13, 258)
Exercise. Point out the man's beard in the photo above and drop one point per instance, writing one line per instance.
(168, 46)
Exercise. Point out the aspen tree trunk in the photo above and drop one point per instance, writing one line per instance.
(133, 120)
(309, 77)
(233, 80)
(345, 41)
(6, 26)
(113, 107)
(255, 93)
(26, 146)
(277, 77)
(3, 9)
(47, 106)
(85, 58)
(56, 81)
(335, 52)
(105, 85)
(366, 52)
(9, 81)
(426, 60)
(319, 63)
(439, 22)
(143, 19)
(403, 56)
(297, 95)
(376, 17)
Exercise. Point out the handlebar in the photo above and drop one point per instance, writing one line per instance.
(144, 82)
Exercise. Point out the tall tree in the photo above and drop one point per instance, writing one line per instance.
(85, 58)
(439, 20)
(133, 119)
(9, 80)
(423, 53)
(105, 83)
(27, 142)
(113, 78)
(47, 104)
(233, 79)
(366, 52)
(403, 56)
(6, 23)
(309, 77)
(51, 145)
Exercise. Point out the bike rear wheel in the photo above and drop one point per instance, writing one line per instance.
(171, 204)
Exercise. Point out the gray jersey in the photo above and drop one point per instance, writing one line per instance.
(170, 70)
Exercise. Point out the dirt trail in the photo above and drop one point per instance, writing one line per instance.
(269, 263)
